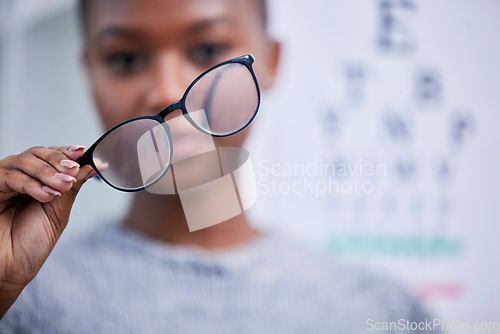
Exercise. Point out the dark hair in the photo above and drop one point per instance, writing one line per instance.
(83, 12)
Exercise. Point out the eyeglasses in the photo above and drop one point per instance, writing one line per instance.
(135, 154)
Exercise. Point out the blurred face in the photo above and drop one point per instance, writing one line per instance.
(141, 55)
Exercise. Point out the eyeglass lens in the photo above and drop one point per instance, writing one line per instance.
(227, 95)
(138, 153)
(134, 155)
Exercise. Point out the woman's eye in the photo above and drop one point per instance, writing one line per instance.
(208, 53)
(124, 63)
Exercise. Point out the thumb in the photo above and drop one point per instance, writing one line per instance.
(68, 197)
(58, 210)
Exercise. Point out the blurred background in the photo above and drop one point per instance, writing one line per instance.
(379, 143)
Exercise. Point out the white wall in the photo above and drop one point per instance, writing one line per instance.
(425, 107)
(44, 98)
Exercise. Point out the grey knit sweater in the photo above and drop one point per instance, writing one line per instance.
(115, 281)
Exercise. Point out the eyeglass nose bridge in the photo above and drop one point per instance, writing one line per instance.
(171, 108)
(182, 106)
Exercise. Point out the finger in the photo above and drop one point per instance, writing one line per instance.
(59, 208)
(15, 182)
(62, 158)
(72, 152)
(101, 165)
(83, 175)
(42, 171)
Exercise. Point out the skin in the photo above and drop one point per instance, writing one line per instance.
(32, 216)
(139, 62)
(140, 56)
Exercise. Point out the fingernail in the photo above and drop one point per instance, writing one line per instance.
(69, 163)
(76, 148)
(65, 177)
(90, 175)
(51, 191)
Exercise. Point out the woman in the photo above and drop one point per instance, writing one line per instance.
(149, 274)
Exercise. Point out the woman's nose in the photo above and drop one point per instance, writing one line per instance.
(167, 82)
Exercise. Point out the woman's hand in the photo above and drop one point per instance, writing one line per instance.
(37, 190)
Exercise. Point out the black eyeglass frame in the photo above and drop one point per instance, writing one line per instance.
(87, 157)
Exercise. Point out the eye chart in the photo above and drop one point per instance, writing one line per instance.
(382, 143)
